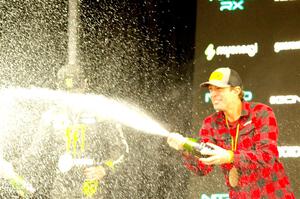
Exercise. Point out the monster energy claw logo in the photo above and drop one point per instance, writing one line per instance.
(231, 5)
(75, 135)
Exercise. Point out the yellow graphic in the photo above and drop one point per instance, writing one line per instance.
(216, 76)
(110, 164)
(89, 187)
(75, 134)
(69, 82)
(18, 184)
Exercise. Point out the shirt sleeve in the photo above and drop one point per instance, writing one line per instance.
(193, 163)
(118, 150)
(264, 153)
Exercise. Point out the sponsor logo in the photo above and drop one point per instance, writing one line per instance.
(231, 5)
(284, 99)
(289, 151)
(286, 45)
(215, 196)
(283, 0)
(248, 96)
(75, 139)
(250, 50)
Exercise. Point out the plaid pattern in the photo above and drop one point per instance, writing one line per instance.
(261, 175)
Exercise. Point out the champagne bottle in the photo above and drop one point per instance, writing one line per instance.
(193, 146)
(22, 187)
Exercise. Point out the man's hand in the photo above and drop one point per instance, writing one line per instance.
(6, 169)
(176, 141)
(217, 155)
(95, 173)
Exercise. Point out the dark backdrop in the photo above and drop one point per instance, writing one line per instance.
(137, 51)
(266, 74)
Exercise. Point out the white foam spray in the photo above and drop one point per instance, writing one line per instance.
(103, 107)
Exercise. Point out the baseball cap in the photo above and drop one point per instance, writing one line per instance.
(223, 77)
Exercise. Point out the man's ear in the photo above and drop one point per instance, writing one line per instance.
(237, 90)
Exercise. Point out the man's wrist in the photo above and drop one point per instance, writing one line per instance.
(109, 166)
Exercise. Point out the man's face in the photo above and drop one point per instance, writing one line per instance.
(221, 98)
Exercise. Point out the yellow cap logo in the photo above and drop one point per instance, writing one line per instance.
(216, 76)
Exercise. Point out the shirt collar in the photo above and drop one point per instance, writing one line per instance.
(245, 112)
(245, 109)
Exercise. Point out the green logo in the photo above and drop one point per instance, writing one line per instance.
(230, 5)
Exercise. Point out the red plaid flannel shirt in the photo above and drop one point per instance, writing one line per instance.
(261, 175)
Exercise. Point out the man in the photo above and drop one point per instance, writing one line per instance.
(78, 149)
(241, 137)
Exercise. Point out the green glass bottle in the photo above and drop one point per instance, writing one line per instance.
(193, 146)
(22, 187)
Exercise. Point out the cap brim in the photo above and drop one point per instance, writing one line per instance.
(214, 83)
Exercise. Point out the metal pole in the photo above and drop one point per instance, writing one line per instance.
(73, 33)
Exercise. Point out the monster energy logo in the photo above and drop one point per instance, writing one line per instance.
(75, 134)
(231, 5)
